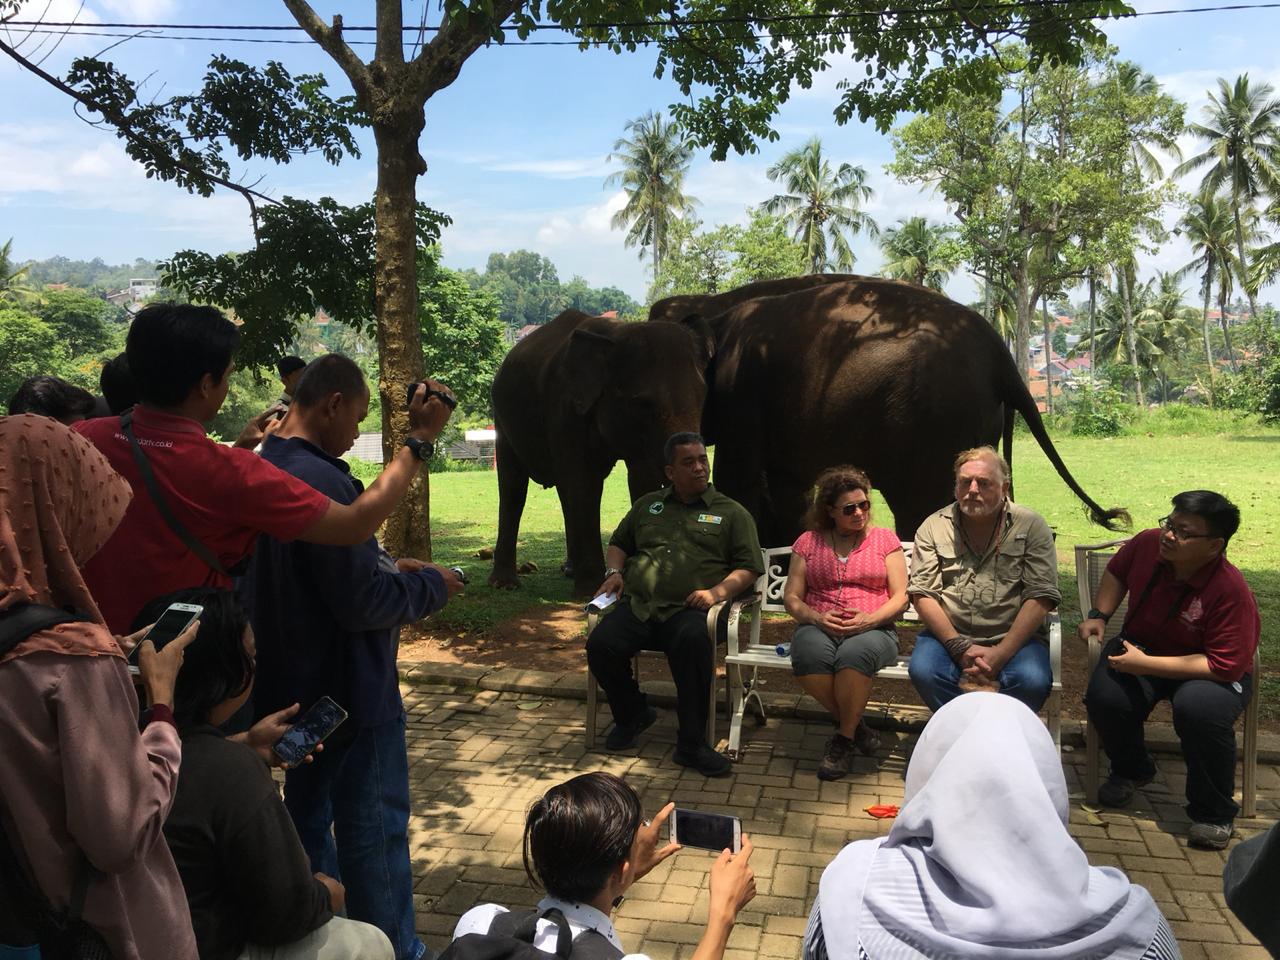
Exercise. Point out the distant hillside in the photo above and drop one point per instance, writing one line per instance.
(92, 275)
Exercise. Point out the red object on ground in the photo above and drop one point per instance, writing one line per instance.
(883, 811)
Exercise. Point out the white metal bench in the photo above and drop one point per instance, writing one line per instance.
(1091, 563)
(755, 655)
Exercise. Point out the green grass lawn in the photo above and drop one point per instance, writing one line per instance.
(1161, 455)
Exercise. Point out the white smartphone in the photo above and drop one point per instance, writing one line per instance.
(707, 831)
(172, 622)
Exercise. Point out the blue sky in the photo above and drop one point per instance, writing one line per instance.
(516, 148)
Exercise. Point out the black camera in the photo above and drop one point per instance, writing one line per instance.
(412, 388)
(460, 574)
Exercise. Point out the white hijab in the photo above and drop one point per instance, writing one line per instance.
(979, 862)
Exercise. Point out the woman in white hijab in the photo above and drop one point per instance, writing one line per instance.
(979, 862)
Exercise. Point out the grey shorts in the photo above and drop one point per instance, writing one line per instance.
(813, 651)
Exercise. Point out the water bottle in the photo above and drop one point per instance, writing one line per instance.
(783, 649)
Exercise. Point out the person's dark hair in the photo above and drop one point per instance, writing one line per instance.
(1221, 516)
(172, 345)
(677, 440)
(215, 667)
(51, 397)
(579, 833)
(287, 365)
(832, 484)
(116, 384)
(330, 374)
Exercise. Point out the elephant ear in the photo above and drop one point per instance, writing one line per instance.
(696, 324)
(587, 366)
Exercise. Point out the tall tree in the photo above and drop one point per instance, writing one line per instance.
(655, 159)
(822, 205)
(1168, 324)
(921, 252)
(14, 288)
(1209, 227)
(1241, 131)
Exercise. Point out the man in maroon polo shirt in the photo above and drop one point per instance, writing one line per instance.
(1189, 638)
(180, 359)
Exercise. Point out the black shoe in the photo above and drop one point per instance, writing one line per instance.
(1119, 791)
(703, 759)
(865, 740)
(1209, 836)
(623, 736)
(837, 758)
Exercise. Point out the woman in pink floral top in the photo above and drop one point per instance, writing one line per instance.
(846, 586)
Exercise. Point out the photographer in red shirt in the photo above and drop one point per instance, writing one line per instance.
(1189, 637)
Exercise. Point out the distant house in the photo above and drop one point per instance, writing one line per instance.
(609, 315)
(143, 287)
(524, 331)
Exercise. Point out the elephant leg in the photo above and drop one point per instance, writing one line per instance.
(642, 479)
(738, 472)
(580, 504)
(912, 495)
(513, 487)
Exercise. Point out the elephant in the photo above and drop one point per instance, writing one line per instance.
(884, 374)
(574, 397)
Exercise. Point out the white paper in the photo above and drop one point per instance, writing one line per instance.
(603, 601)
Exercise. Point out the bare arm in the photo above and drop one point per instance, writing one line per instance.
(615, 558)
(1191, 666)
(735, 583)
(1030, 615)
(733, 886)
(1110, 592)
(895, 565)
(935, 619)
(793, 593)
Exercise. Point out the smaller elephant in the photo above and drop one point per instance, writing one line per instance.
(572, 399)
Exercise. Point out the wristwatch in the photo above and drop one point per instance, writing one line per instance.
(422, 449)
(610, 571)
(1096, 614)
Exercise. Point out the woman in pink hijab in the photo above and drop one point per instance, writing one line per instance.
(83, 792)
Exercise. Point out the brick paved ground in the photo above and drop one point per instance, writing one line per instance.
(479, 758)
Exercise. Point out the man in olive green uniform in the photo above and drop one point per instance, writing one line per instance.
(984, 576)
(677, 552)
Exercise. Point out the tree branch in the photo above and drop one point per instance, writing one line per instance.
(120, 123)
(441, 60)
(330, 40)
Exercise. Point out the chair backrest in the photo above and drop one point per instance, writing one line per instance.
(773, 582)
(1091, 563)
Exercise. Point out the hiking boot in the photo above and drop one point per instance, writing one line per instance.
(1119, 791)
(837, 758)
(1209, 836)
(703, 759)
(623, 736)
(865, 740)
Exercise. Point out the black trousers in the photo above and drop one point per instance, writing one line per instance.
(1204, 717)
(683, 638)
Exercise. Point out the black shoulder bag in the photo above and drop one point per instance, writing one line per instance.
(26, 915)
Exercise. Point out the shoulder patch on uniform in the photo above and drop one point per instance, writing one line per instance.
(656, 507)
(709, 518)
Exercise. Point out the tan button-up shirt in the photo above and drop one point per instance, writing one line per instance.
(982, 594)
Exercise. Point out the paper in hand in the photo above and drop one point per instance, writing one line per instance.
(602, 602)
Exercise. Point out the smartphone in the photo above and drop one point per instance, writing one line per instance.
(172, 622)
(708, 831)
(324, 717)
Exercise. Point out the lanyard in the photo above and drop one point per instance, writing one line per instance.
(1145, 595)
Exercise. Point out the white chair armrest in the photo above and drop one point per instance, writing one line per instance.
(1055, 646)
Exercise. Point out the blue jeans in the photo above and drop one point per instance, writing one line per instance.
(1026, 677)
(359, 792)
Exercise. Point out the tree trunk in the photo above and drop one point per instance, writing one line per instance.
(1023, 307)
(1130, 335)
(1242, 269)
(1204, 330)
(407, 532)
(1048, 356)
(1093, 313)
(1226, 332)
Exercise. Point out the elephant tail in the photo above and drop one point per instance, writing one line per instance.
(1018, 397)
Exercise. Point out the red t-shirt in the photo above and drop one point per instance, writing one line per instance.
(860, 582)
(1212, 612)
(224, 496)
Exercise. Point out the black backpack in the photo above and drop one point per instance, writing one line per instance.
(511, 937)
(26, 915)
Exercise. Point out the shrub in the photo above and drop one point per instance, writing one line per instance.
(1098, 412)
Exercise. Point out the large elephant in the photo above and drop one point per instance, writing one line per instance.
(574, 397)
(886, 375)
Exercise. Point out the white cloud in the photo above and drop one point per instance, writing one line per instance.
(567, 168)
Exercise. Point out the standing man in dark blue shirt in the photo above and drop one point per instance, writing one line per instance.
(327, 621)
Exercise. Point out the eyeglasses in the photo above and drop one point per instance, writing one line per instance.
(1166, 526)
(848, 508)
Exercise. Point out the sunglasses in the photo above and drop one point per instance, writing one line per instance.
(848, 508)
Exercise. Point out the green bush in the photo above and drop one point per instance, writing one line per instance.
(1098, 412)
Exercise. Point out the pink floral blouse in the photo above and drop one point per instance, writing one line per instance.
(859, 582)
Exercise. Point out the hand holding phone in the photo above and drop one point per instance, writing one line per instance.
(324, 717)
(176, 618)
(707, 831)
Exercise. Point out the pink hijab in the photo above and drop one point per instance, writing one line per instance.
(59, 501)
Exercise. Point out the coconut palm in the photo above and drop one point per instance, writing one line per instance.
(655, 159)
(822, 205)
(925, 255)
(1167, 325)
(1242, 131)
(13, 284)
(1209, 226)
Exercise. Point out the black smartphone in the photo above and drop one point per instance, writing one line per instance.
(172, 622)
(324, 717)
(707, 831)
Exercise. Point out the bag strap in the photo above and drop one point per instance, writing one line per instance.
(18, 623)
(523, 926)
(162, 505)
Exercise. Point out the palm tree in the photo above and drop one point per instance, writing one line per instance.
(654, 160)
(1166, 324)
(822, 205)
(13, 285)
(925, 255)
(1208, 225)
(1242, 130)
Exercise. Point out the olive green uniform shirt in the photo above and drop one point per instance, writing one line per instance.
(983, 594)
(675, 548)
